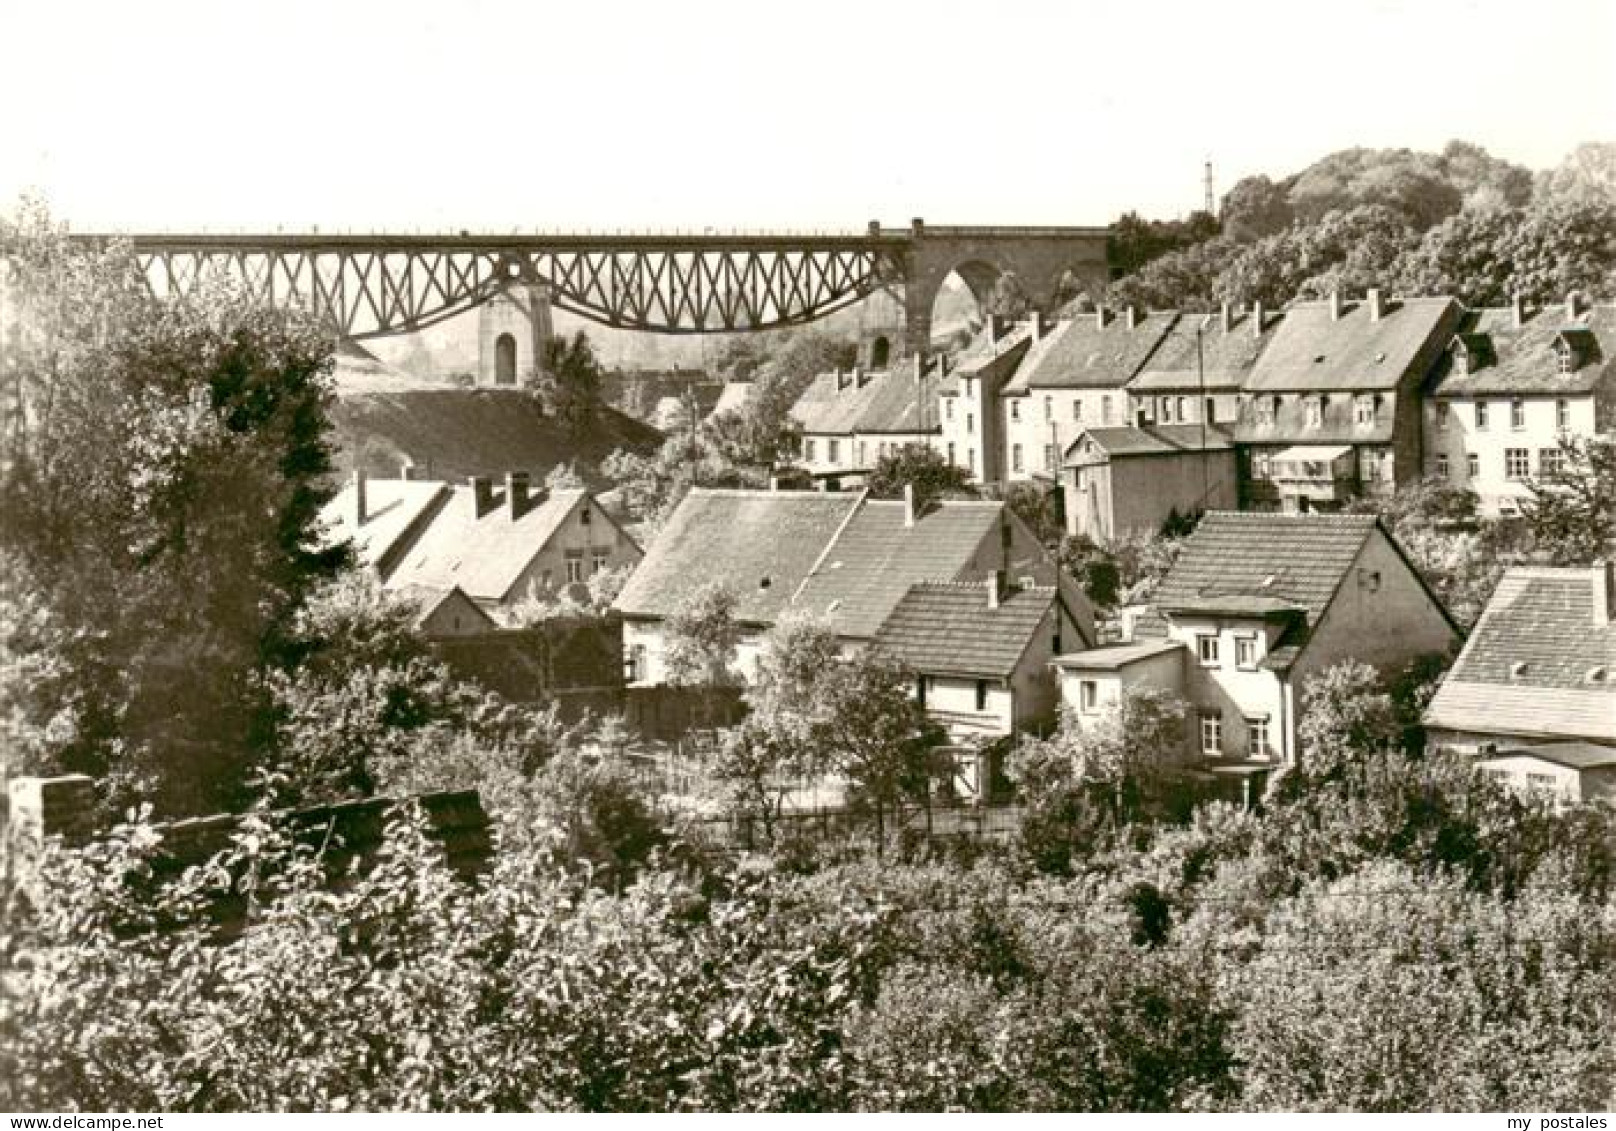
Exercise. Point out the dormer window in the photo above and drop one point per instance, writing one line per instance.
(1363, 409)
(1566, 356)
(1461, 359)
(1517, 669)
(1314, 407)
(1265, 409)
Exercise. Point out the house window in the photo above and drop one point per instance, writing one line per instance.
(1541, 781)
(981, 695)
(1481, 416)
(969, 386)
(1473, 466)
(1567, 362)
(858, 453)
(1049, 408)
(1265, 409)
(1550, 461)
(634, 669)
(1441, 416)
(1164, 410)
(808, 450)
(970, 422)
(598, 560)
(920, 690)
(1049, 457)
(833, 450)
(1206, 647)
(1263, 465)
(1517, 414)
(1211, 410)
(1015, 457)
(1077, 409)
(970, 459)
(1315, 411)
(1183, 409)
(575, 565)
(1517, 463)
(1105, 409)
(1257, 744)
(1245, 652)
(1442, 465)
(1015, 410)
(1562, 415)
(1088, 696)
(1212, 734)
(583, 515)
(1363, 410)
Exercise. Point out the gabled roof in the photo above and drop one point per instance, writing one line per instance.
(884, 401)
(428, 601)
(876, 558)
(1298, 560)
(1079, 354)
(1509, 359)
(1225, 357)
(758, 544)
(947, 628)
(732, 398)
(484, 556)
(1528, 665)
(396, 511)
(1312, 352)
(1115, 657)
(1150, 440)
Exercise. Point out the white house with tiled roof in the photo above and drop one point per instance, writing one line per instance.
(843, 558)
(1511, 385)
(1331, 409)
(1538, 671)
(1255, 604)
(850, 419)
(497, 544)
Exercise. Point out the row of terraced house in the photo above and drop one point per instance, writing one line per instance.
(1138, 415)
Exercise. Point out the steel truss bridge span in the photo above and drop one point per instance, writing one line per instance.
(367, 286)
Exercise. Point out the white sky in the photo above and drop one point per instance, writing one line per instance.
(738, 113)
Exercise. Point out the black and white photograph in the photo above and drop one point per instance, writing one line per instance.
(1050, 556)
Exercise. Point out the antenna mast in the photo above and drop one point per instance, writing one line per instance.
(1208, 181)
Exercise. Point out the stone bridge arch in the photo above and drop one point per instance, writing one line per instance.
(1038, 257)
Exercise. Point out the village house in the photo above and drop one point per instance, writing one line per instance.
(1532, 691)
(498, 546)
(1331, 410)
(850, 420)
(1073, 378)
(968, 399)
(1134, 480)
(1255, 604)
(843, 558)
(1512, 384)
(1198, 369)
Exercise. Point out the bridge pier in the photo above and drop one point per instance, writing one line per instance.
(512, 329)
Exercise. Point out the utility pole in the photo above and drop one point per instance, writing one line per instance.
(1208, 181)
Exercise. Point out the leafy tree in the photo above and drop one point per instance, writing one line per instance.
(1346, 712)
(1572, 511)
(702, 645)
(1094, 568)
(1589, 171)
(574, 379)
(164, 469)
(1255, 207)
(1037, 507)
(875, 734)
(922, 467)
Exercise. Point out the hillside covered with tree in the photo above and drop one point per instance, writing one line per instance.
(1459, 222)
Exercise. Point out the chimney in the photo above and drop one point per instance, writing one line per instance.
(1335, 306)
(1604, 592)
(1099, 317)
(1376, 310)
(361, 510)
(482, 494)
(860, 377)
(1035, 323)
(516, 495)
(1256, 319)
(995, 588)
(1571, 307)
(406, 471)
(908, 505)
(1226, 317)
(1133, 316)
(1517, 309)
